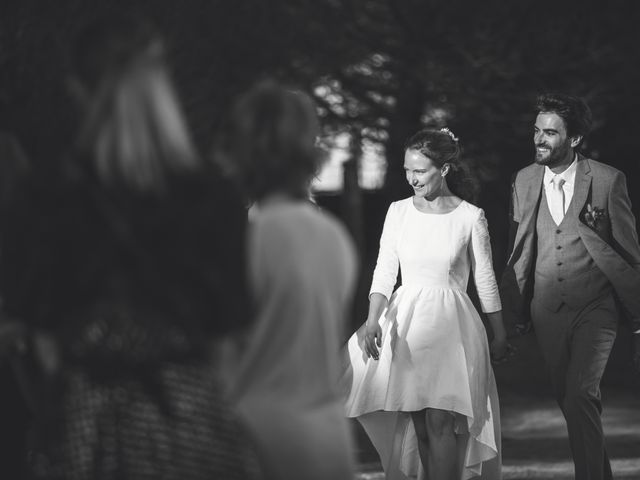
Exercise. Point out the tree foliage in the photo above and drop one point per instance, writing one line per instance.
(382, 67)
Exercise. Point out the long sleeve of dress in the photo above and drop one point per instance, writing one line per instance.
(482, 266)
(386, 271)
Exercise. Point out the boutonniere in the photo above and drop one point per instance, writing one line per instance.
(594, 216)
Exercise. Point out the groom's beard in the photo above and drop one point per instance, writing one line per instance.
(554, 155)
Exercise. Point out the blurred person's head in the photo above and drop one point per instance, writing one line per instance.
(270, 145)
(561, 124)
(433, 166)
(133, 130)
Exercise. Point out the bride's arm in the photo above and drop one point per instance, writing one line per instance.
(373, 331)
(384, 279)
(377, 304)
(499, 346)
(486, 285)
(386, 271)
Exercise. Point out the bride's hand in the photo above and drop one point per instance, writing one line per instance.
(373, 339)
(499, 349)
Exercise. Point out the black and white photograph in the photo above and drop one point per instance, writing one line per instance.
(319, 240)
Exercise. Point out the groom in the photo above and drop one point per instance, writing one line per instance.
(574, 267)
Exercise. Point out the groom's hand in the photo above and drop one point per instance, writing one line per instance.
(516, 323)
(524, 328)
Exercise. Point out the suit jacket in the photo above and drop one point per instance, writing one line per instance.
(613, 243)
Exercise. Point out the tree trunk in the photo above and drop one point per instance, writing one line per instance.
(405, 121)
(352, 194)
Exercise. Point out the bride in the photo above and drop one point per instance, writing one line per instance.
(420, 378)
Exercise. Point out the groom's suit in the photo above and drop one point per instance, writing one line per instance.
(573, 280)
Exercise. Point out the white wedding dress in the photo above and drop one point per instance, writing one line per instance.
(434, 347)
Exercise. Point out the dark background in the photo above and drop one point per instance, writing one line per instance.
(379, 69)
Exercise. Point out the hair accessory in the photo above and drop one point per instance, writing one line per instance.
(450, 133)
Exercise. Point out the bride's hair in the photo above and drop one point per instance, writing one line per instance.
(443, 147)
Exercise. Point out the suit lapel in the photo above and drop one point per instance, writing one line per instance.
(532, 198)
(523, 253)
(516, 278)
(582, 185)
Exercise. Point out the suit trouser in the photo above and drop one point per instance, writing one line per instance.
(576, 344)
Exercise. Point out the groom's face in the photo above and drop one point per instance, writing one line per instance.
(553, 145)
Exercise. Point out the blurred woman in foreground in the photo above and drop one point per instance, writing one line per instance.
(127, 264)
(301, 271)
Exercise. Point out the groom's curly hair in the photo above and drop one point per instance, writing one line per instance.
(573, 110)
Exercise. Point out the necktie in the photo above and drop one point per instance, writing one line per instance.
(556, 200)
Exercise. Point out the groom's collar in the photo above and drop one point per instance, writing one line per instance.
(568, 175)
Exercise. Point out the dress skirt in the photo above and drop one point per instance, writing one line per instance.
(434, 355)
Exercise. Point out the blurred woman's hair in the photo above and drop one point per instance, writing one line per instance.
(270, 142)
(442, 147)
(133, 131)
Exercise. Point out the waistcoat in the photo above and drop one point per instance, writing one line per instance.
(564, 270)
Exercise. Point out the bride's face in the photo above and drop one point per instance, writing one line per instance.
(422, 174)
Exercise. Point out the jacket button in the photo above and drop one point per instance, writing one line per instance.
(559, 247)
(560, 279)
(558, 231)
(559, 263)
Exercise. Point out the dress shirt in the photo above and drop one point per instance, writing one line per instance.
(569, 177)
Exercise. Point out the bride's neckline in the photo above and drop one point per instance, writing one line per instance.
(434, 213)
